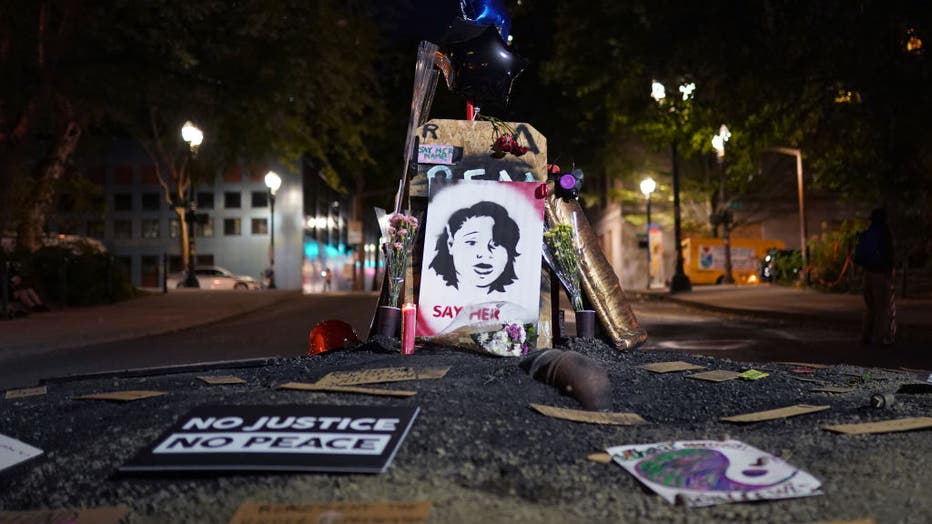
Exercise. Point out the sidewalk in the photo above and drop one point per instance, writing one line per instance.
(149, 314)
(914, 315)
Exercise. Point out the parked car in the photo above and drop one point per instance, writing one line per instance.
(214, 277)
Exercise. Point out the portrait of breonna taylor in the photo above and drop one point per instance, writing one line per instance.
(482, 255)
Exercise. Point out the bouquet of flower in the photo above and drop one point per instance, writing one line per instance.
(505, 138)
(562, 255)
(512, 340)
(402, 229)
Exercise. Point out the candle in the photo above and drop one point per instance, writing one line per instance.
(408, 324)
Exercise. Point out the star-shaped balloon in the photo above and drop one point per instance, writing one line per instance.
(477, 63)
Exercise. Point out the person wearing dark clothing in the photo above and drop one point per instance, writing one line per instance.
(874, 253)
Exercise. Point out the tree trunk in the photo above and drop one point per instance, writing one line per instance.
(183, 239)
(31, 226)
(728, 278)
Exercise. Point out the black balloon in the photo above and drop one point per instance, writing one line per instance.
(478, 64)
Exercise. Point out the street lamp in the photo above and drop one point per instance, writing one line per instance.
(647, 187)
(191, 134)
(679, 282)
(273, 182)
(796, 152)
(718, 143)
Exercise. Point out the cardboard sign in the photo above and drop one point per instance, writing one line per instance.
(218, 380)
(832, 389)
(122, 396)
(709, 472)
(362, 513)
(304, 386)
(104, 515)
(669, 367)
(25, 392)
(771, 414)
(718, 375)
(379, 375)
(592, 417)
(886, 426)
(436, 154)
(482, 255)
(13, 452)
(346, 439)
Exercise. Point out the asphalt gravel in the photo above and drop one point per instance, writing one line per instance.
(477, 451)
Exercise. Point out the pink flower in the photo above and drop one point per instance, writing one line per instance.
(398, 245)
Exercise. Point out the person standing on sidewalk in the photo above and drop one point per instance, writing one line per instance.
(874, 252)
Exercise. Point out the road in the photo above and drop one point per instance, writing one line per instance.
(282, 330)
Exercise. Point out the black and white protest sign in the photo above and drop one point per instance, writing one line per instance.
(346, 439)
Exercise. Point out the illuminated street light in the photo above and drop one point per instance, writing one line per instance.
(192, 134)
(679, 282)
(194, 137)
(724, 217)
(272, 182)
(647, 187)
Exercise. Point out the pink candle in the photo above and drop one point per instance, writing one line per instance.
(408, 324)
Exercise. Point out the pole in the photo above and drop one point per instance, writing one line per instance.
(802, 214)
(679, 282)
(649, 276)
(271, 240)
(728, 277)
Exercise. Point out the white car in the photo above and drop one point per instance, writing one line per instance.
(214, 277)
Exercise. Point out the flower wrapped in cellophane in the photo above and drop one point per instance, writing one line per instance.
(401, 232)
(509, 339)
(562, 254)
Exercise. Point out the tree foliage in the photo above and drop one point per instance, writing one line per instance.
(833, 78)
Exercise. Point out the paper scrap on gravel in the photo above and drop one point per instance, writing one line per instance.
(753, 374)
(12, 452)
(669, 367)
(599, 458)
(219, 380)
(122, 396)
(317, 386)
(361, 513)
(102, 515)
(832, 389)
(379, 375)
(592, 417)
(718, 375)
(805, 365)
(886, 426)
(771, 414)
(25, 392)
(708, 472)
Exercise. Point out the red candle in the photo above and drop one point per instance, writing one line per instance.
(408, 325)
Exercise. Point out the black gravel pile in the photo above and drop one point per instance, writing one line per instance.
(477, 451)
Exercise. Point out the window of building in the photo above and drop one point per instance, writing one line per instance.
(260, 199)
(232, 200)
(260, 226)
(205, 200)
(151, 201)
(231, 226)
(150, 228)
(174, 228)
(122, 201)
(95, 229)
(206, 229)
(122, 229)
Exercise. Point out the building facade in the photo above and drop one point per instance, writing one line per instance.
(142, 231)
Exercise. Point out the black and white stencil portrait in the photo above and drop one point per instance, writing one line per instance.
(482, 255)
